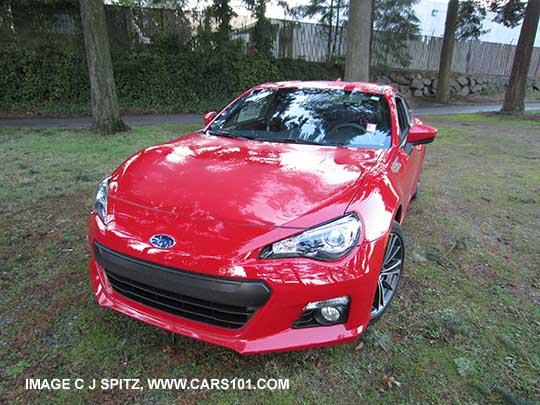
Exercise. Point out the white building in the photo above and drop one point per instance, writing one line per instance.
(432, 15)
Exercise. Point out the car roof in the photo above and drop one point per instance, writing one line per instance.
(337, 84)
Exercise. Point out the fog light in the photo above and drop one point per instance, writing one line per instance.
(331, 314)
(324, 313)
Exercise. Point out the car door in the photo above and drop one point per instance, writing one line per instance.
(406, 163)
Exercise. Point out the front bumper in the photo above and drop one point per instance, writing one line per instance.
(290, 285)
(218, 301)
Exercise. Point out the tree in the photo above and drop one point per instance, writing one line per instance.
(262, 31)
(471, 16)
(213, 40)
(358, 41)
(394, 23)
(223, 13)
(514, 99)
(106, 115)
(509, 13)
(394, 20)
(149, 3)
(332, 16)
(464, 20)
(447, 50)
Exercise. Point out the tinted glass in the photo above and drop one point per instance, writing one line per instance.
(321, 116)
(403, 117)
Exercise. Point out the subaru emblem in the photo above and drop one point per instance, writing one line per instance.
(162, 241)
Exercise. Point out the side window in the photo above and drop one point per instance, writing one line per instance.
(403, 117)
(407, 110)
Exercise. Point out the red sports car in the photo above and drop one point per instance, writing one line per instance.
(276, 227)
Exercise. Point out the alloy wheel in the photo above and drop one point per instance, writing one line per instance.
(389, 276)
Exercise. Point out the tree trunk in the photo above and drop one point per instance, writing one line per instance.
(447, 50)
(21, 23)
(330, 26)
(358, 41)
(514, 98)
(106, 115)
(336, 30)
(372, 30)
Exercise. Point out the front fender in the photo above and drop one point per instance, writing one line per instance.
(377, 202)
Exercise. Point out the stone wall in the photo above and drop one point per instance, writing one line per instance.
(424, 84)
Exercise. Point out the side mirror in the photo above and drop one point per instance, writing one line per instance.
(208, 117)
(420, 134)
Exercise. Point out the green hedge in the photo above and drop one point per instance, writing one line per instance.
(49, 80)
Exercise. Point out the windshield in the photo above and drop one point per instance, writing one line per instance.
(318, 116)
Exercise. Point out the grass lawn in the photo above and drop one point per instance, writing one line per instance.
(465, 326)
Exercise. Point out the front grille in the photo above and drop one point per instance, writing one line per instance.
(210, 300)
(226, 316)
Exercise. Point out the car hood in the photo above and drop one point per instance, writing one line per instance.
(248, 182)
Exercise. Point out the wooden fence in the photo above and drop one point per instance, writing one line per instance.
(308, 41)
(469, 57)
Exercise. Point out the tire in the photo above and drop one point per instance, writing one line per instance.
(390, 274)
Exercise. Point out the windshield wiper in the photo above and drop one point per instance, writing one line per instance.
(295, 141)
(227, 134)
(222, 132)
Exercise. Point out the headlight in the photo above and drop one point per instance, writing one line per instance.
(100, 200)
(329, 241)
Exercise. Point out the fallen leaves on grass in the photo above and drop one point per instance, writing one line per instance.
(391, 382)
(168, 349)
